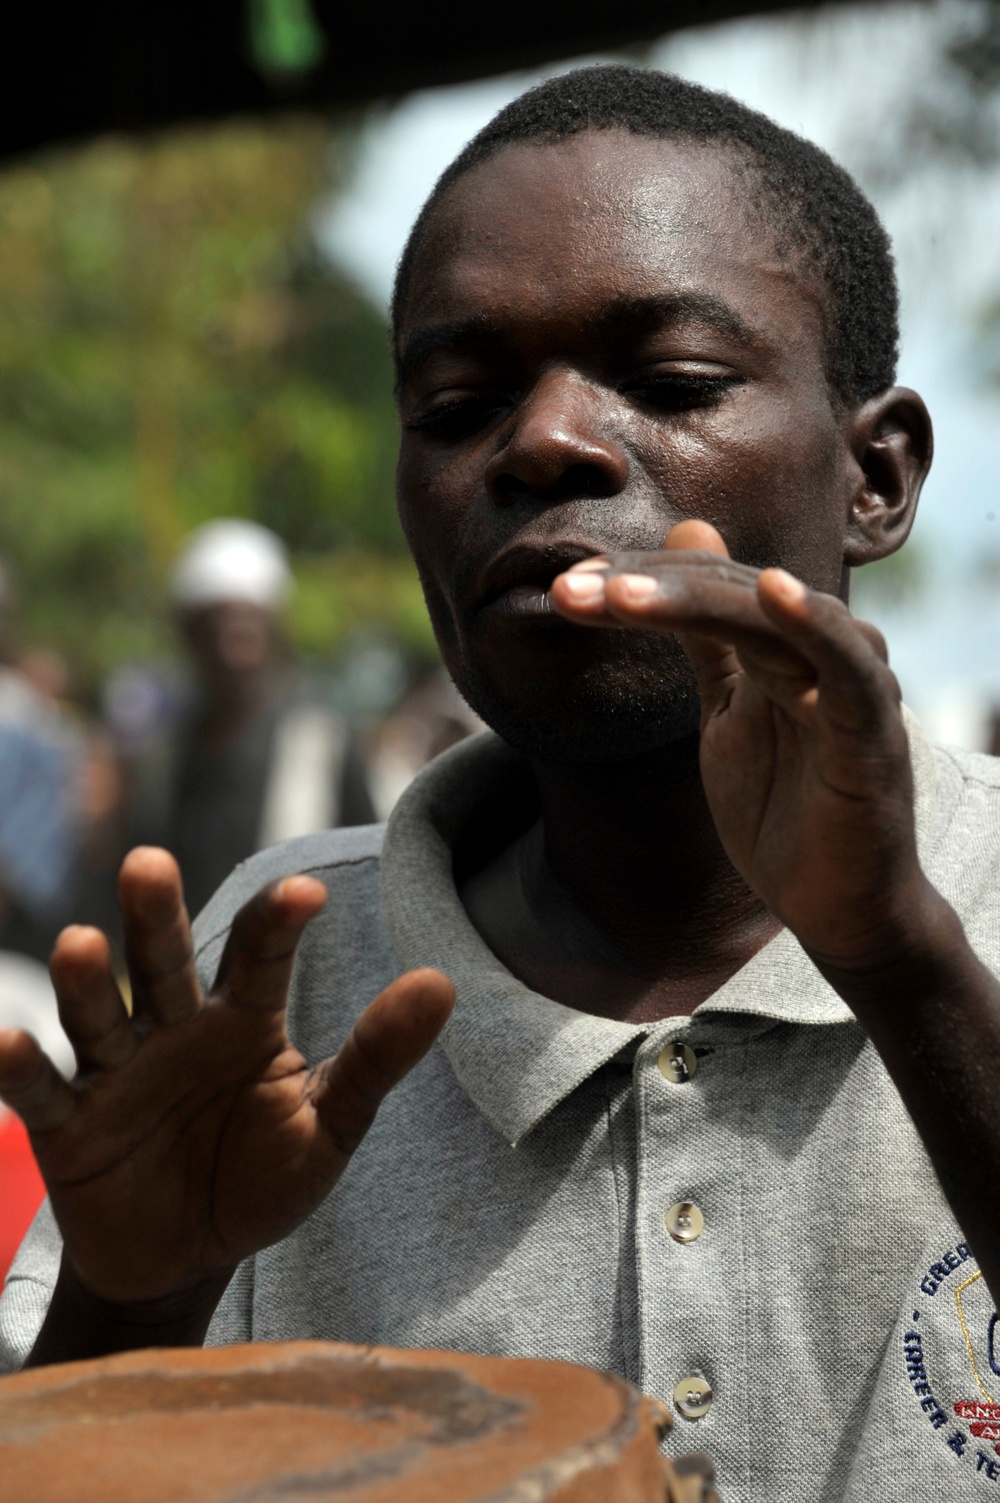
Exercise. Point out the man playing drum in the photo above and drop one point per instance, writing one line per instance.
(714, 1107)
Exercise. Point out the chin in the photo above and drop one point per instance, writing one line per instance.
(613, 716)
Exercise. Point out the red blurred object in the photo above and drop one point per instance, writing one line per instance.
(21, 1187)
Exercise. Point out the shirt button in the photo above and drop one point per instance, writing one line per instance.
(684, 1221)
(677, 1063)
(693, 1397)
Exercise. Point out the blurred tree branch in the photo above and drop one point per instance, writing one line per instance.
(173, 348)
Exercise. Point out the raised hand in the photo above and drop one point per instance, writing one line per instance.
(194, 1133)
(804, 753)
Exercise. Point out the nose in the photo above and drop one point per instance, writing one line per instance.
(559, 448)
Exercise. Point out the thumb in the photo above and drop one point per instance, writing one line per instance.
(694, 536)
(715, 663)
(391, 1036)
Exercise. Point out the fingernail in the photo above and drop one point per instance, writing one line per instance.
(589, 565)
(788, 585)
(638, 586)
(584, 586)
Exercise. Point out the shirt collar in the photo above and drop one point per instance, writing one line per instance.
(515, 1053)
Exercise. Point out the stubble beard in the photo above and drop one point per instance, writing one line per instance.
(641, 701)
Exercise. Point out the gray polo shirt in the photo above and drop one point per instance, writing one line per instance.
(515, 1191)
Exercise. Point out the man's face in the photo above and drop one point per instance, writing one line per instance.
(230, 639)
(598, 343)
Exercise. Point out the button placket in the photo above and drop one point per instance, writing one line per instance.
(683, 1274)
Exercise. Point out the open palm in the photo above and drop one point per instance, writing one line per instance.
(194, 1133)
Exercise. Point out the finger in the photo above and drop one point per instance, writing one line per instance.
(694, 536)
(671, 605)
(854, 684)
(623, 590)
(30, 1084)
(716, 616)
(256, 965)
(872, 635)
(716, 665)
(579, 592)
(714, 660)
(608, 591)
(158, 949)
(391, 1036)
(727, 628)
(696, 592)
(717, 668)
(712, 611)
(91, 1010)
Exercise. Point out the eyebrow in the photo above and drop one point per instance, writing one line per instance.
(460, 334)
(634, 315)
(642, 315)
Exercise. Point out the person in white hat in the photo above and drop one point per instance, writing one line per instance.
(249, 763)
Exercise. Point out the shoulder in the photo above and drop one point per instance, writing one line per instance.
(964, 858)
(338, 856)
(968, 785)
(970, 766)
(345, 957)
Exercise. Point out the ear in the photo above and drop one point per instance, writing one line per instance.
(892, 442)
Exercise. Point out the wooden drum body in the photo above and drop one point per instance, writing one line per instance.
(313, 1422)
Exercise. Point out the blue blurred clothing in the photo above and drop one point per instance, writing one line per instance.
(39, 759)
(36, 836)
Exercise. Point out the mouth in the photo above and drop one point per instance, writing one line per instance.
(517, 583)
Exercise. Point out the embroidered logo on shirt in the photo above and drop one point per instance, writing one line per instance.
(969, 1425)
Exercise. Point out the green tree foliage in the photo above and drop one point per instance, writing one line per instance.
(172, 349)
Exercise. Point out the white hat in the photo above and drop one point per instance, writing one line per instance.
(232, 560)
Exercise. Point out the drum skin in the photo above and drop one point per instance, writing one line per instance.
(314, 1422)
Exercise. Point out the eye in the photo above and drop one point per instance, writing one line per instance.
(459, 417)
(680, 391)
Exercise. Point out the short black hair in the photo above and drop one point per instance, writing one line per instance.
(816, 211)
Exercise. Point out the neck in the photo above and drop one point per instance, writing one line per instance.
(633, 845)
(620, 900)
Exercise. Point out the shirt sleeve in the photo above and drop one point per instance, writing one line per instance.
(232, 1322)
(28, 1290)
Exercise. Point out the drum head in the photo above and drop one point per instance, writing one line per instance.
(300, 1422)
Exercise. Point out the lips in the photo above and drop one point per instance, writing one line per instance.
(517, 582)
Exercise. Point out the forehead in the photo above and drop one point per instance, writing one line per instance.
(561, 229)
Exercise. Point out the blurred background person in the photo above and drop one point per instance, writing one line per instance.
(42, 761)
(249, 760)
(431, 717)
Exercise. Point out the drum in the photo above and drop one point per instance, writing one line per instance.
(313, 1422)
